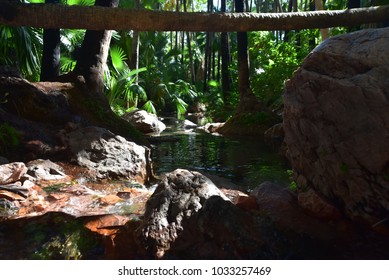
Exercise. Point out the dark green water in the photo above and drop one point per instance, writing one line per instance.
(245, 162)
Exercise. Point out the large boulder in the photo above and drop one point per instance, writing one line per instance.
(178, 196)
(109, 155)
(336, 124)
(145, 122)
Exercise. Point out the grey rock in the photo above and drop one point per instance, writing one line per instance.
(109, 155)
(144, 121)
(280, 205)
(45, 170)
(336, 123)
(16, 188)
(12, 172)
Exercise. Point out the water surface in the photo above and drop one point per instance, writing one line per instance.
(245, 162)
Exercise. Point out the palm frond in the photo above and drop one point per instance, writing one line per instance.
(118, 58)
(149, 107)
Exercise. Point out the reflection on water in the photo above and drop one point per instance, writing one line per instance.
(245, 162)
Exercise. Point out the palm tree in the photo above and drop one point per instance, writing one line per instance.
(21, 49)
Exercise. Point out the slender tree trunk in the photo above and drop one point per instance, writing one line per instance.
(213, 57)
(312, 42)
(189, 46)
(323, 31)
(225, 57)
(176, 37)
(351, 4)
(248, 101)
(51, 52)
(208, 52)
(135, 48)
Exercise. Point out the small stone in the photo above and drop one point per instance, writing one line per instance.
(12, 172)
(110, 199)
(10, 195)
(45, 170)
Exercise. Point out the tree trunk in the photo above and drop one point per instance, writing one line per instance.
(189, 46)
(93, 54)
(352, 4)
(134, 65)
(247, 100)
(51, 53)
(101, 18)
(323, 31)
(225, 57)
(87, 98)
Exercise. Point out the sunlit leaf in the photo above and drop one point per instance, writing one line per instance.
(118, 57)
(149, 107)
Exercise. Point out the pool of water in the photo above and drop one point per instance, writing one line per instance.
(245, 162)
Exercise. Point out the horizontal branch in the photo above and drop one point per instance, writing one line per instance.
(100, 18)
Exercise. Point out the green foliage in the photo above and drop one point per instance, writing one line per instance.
(69, 240)
(9, 138)
(274, 61)
(21, 47)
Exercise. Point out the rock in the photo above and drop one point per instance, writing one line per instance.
(144, 121)
(7, 208)
(45, 170)
(196, 113)
(11, 196)
(317, 206)
(336, 123)
(187, 124)
(12, 172)
(178, 196)
(219, 230)
(109, 155)
(212, 127)
(280, 204)
(275, 135)
(16, 188)
(110, 199)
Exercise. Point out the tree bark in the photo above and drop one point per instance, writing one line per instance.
(103, 18)
(189, 46)
(135, 49)
(225, 57)
(247, 100)
(323, 31)
(93, 54)
(51, 52)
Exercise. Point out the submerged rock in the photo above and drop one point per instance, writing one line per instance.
(336, 124)
(144, 121)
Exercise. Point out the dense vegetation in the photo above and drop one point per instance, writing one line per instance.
(173, 70)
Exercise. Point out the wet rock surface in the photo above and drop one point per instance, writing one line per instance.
(336, 124)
